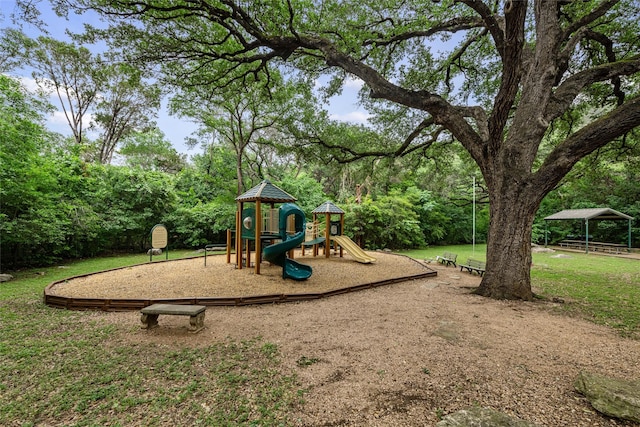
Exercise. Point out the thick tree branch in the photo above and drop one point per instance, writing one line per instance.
(491, 22)
(457, 55)
(589, 18)
(451, 26)
(567, 92)
(442, 111)
(607, 43)
(511, 66)
(585, 141)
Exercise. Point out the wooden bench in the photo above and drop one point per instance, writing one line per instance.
(448, 258)
(195, 312)
(474, 265)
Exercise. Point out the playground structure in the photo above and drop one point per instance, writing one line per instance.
(254, 225)
(331, 231)
(276, 232)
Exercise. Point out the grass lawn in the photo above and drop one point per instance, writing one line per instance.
(602, 288)
(60, 367)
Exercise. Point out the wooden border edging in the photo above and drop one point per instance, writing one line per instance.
(132, 304)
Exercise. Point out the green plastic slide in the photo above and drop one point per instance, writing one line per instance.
(277, 253)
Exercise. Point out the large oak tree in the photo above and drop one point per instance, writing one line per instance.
(496, 76)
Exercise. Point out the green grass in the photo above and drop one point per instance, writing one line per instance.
(61, 367)
(464, 251)
(603, 289)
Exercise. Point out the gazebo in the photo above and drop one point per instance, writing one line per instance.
(586, 215)
(328, 209)
(265, 192)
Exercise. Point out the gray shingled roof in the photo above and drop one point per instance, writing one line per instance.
(594, 213)
(328, 207)
(266, 192)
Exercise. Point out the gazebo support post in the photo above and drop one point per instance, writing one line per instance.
(258, 235)
(586, 236)
(341, 232)
(239, 237)
(314, 235)
(327, 235)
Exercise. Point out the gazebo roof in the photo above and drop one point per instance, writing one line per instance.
(586, 214)
(328, 207)
(266, 192)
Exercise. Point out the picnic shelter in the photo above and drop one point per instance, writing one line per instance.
(586, 215)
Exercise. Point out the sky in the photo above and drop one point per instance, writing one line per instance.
(341, 108)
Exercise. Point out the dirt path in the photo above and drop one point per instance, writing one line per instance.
(409, 353)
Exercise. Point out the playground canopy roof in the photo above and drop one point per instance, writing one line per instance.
(266, 192)
(328, 207)
(588, 214)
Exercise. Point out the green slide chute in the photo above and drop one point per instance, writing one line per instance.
(277, 253)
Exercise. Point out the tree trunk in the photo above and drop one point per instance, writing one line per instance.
(508, 266)
(240, 183)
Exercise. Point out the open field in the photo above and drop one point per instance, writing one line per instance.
(405, 354)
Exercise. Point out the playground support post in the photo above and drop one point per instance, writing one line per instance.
(258, 237)
(239, 237)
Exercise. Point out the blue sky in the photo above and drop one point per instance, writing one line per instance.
(342, 108)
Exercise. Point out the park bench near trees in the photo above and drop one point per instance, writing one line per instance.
(448, 258)
(473, 265)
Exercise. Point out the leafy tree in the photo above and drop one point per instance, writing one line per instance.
(387, 222)
(211, 177)
(70, 72)
(13, 47)
(45, 214)
(513, 71)
(112, 97)
(198, 225)
(27, 211)
(126, 104)
(131, 202)
(305, 188)
(150, 151)
(239, 116)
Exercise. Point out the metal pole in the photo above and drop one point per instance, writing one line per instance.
(473, 240)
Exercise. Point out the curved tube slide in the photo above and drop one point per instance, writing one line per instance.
(277, 253)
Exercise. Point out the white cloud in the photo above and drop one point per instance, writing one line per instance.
(29, 83)
(359, 117)
(58, 118)
(353, 82)
(58, 122)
